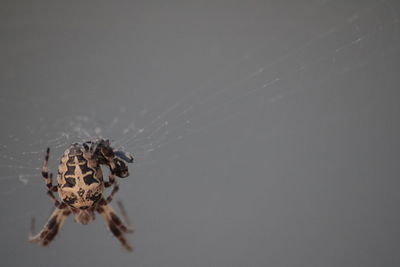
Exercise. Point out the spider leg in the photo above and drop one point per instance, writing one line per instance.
(111, 180)
(45, 173)
(51, 195)
(125, 216)
(51, 228)
(125, 226)
(48, 177)
(114, 223)
(113, 192)
(126, 156)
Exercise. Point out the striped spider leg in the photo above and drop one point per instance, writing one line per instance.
(114, 223)
(54, 223)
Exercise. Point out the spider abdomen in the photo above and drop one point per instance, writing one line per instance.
(80, 179)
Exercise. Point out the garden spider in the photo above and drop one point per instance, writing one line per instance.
(80, 186)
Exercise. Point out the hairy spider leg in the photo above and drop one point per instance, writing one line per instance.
(111, 177)
(52, 226)
(125, 215)
(124, 226)
(114, 223)
(49, 179)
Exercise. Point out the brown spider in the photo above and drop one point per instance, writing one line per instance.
(81, 187)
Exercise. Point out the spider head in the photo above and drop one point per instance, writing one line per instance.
(82, 205)
(84, 215)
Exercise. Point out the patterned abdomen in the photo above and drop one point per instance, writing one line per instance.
(80, 179)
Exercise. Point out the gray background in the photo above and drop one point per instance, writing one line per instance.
(266, 133)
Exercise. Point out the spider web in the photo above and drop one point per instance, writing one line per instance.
(254, 80)
(153, 129)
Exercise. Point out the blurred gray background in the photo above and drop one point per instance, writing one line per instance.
(266, 133)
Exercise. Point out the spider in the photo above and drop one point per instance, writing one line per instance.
(81, 187)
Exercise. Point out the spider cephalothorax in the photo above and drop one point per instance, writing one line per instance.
(81, 186)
